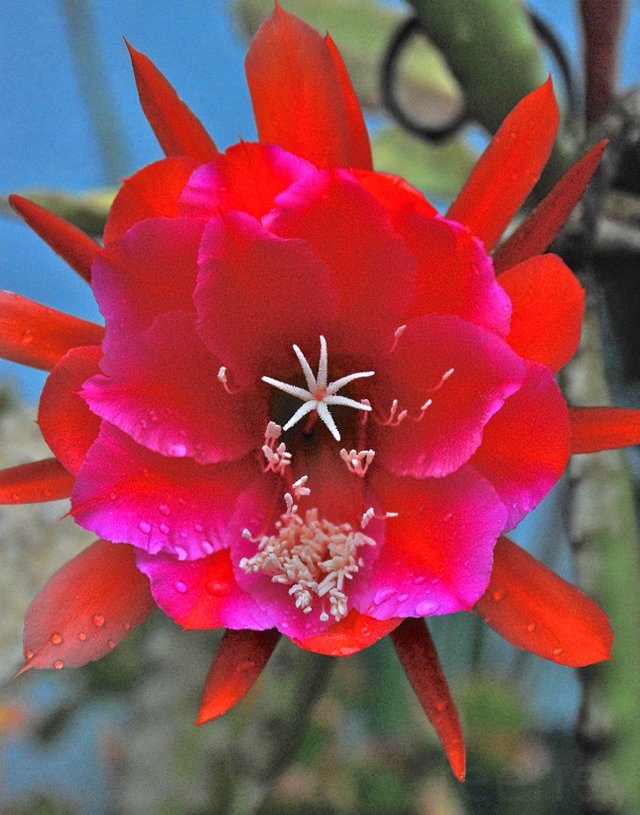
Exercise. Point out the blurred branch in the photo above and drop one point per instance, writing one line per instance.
(602, 24)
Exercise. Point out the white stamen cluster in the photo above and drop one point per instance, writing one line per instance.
(278, 458)
(357, 462)
(319, 395)
(311, 555)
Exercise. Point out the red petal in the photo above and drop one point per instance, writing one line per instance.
(350, 635)
(302, 97)
(509, 168)
(67, 424)
(152, 192)
(420, 661)
(89, 605)
(548, 306)
(35, 335)
(239, 661)
(72, 244)
(45, 480)
(603, 428)
(533, 608)
(178, 131)
(525, 446)
(539, 229)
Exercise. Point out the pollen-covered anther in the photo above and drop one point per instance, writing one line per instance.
(278, 458)
(313, 556)
(319, 395)
(357, 462)
(369, 514)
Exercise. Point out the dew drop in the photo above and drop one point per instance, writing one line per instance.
(165, 509)
(364, 630)
(448, 517)
(153, 416)
(111, 644)
(56, 639)
(177, 450)
(82, 636)
(113, 496)
(441, 706)
(218, 588)
(126, 626)
(531, 628)
(402, 598)
(426, 607)
(58, 664)
(144, 527)
(15, 497)
(498, 595)
(28, 654)
(98, 620)
(557, 652)
(164, 528)
(47, 493)
(181, 553)
(180, 587)
(419, 580)
(27, 336)
(207, 547)
(198, 527)
(382, 595)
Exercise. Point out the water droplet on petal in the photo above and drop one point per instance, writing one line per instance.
(165, 509)
(98, 620)
(419, 580)
(177, 450)
(557, 652)
(181, 553)
(58, 664)
(111, 644)
(47, 493)
(426, 607)
(153, 416)
(27, 336)
(531, 628)
(82, 636)
(28, 654)
(165, 529)
(207, 547)
(448, 517)
(15, 497)
(126, 626)
(402, 598)
(198, 527)
(441, 706)
(218, 588)
(144, 527)
(498, 595)
(56, 639)
(113, 496)
(180, 586)
(382, 595)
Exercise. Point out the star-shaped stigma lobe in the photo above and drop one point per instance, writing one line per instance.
(319, 395)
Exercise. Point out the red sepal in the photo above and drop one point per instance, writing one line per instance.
(420, 661)
(537, 231)
(74, 246)
(89, 605)
(302, 96)
(239, 661)
(509, 168)
(603, 428)
(535, 609)
(35, 482)
(35, 335)
(178, 130)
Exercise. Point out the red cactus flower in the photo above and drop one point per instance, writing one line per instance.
(315, 410)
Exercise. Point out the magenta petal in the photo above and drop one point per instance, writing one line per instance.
(438, 552)
(125, 492)
(525, 446)
(256, 295)
(202, 593)
(162, 388)
(485, 372)
(151, 269)
(246, 178)
(369, 264)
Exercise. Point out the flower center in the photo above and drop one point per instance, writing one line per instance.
(311, 555)
(320, 394)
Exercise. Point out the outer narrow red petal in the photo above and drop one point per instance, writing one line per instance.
(89, 605)
(509, 168)
(239, 661)
(535, 609)
(548, 306)
(421, 664)
(74, 246)
(350, 635)
(603, 428)
(67, 424)
(35, 335)
(178, 130)
(302, 96)
(537, 232)
(37, 481)
(152, 192)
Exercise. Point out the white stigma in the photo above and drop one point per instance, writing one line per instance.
(319, 395)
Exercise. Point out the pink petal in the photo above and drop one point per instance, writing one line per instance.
(202, 593)
(437, 554)
(525, 446)
(369, 264)
(485, 372)
(256, 295)
(89, 605)
(151, 269)
(162, 388)
(246, 178)
(67, 424)
(125, 492)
